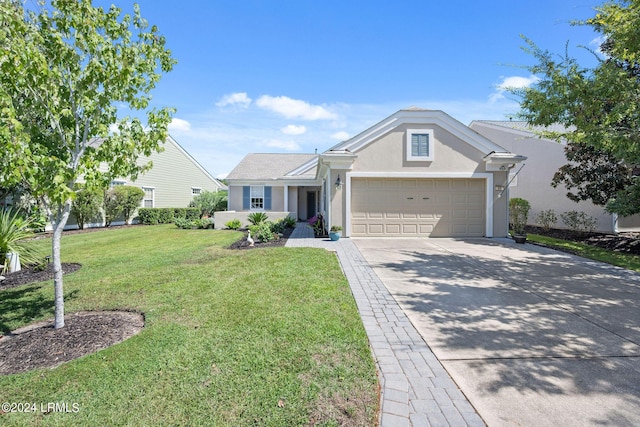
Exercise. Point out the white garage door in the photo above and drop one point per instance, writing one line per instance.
(450, 207)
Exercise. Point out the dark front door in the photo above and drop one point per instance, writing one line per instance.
(311, 204)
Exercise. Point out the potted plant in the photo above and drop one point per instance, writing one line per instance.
(334, 233)
(518, 215)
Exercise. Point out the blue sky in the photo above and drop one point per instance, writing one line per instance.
(296, 75)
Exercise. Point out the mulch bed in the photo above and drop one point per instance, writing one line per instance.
(243, 244)
(42, 346)
(622, 242)
(30, 275)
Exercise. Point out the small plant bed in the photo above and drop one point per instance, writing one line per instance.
(41, 346)
(244, 244)
(33, 274)
(623, 242)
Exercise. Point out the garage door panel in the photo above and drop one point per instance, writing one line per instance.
(417, 207)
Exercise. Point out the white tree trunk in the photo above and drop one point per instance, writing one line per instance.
(59, 222)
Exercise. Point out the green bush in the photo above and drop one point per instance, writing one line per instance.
(256, 218)
(262, 232)
(234, 224)
(277, 226)
(579, 221)
(547, 219)
(518, 214)
(86, 206)
(209, 202)
(153, 216)
(289, 222)
(13, 231)
(121, 200)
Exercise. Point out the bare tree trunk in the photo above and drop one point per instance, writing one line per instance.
(61, 217)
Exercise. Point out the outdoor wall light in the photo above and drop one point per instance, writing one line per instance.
(338, 183)
(499, 187)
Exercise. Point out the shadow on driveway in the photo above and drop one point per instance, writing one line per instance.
(532, 336)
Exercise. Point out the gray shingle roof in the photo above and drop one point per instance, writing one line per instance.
(524, 126)
(263, 166)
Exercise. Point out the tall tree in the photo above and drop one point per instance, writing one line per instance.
(64, 68)
(600, 105)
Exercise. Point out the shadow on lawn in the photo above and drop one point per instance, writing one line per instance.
(26, 304)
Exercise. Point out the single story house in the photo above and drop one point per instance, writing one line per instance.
(416, 173)
(532, 180)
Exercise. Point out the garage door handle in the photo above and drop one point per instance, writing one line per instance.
(425, 198)
(409, 198)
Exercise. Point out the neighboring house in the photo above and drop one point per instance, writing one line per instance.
(173, 181)
(416, 173)
(533, 181)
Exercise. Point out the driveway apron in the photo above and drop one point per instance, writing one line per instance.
(533, 337)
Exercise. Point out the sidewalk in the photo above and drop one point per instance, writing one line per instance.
(416, 390)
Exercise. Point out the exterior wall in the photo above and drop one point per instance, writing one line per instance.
(235, 198)
(173, 176)
(533, 182)
(452, 157)
(389, 154)
(293, 202)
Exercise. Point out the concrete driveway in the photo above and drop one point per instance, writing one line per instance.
(532, 336)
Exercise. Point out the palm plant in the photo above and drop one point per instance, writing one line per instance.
(14, 229)
(256, 218)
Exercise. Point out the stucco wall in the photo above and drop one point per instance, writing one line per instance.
(533, 183)
(389, 154)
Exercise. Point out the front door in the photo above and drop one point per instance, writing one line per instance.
(311, 204)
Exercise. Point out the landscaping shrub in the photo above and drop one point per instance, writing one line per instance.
(256, 218)
(518, 214)
(209, 202)
(87, 204)
(547, 219)
(262, 232)
(121, 200)
(289, 222)
(579, 221)
(13, 231)
(234, 224)
(153, 216)
(277, 226)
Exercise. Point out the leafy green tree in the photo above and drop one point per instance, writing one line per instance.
(130, 199)
(87, 204)
(597, 105)
(64, 71)
(209, 202)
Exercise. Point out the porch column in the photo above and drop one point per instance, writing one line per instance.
(286, 198)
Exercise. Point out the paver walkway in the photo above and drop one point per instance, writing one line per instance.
(416, 389)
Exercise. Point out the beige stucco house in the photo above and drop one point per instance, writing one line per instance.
(532, 179)
(416, 173)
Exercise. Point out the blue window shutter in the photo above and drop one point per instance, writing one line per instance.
(246, 195)
(267, 198)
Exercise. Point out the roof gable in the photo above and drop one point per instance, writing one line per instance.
(419, 116)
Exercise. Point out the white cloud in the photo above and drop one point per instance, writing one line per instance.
(283, 145)
(294, 108)
(293, 130)
(240, 99)
(512, 82)
(340, 136)
(179, 125)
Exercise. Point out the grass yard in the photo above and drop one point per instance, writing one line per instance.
(621, 259)
(262, 337)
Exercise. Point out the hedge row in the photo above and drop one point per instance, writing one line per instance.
(153, 216)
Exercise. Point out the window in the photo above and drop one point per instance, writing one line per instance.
(257, 197)
(117, 182)
(148, 200)
(420, 145)
(195, 191)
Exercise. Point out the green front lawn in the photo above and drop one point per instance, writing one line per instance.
(262, 337)
(628, 261)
